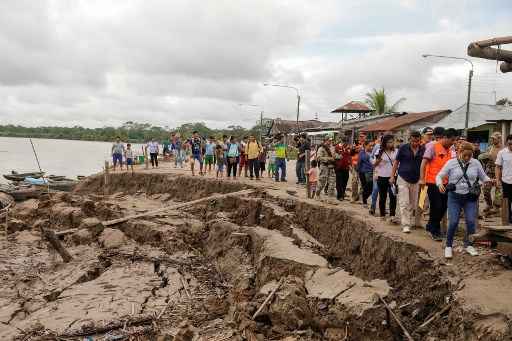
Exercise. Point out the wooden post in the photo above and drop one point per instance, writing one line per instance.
(50, 236)
(505, 219)
(307, 167)
(146, 161)
(106, 178)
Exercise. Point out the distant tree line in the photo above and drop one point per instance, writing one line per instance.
(129, 131)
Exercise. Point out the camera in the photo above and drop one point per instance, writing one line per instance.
(450, 188)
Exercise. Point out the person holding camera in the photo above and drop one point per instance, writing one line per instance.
(384, 168)
(464, 174)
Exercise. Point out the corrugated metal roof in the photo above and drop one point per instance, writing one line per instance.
(289, 126)
(353, 107)
(404, 120)
(479, 114)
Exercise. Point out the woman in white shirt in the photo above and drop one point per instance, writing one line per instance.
(383, 166)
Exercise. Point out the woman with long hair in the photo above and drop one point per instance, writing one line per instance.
(384, 166)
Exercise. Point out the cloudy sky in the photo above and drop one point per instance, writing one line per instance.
(99, 62)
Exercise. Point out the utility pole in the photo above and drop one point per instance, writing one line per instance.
(298, 110)
(298, 98)
(261, 116)
(261, 127)
(468, 102)
(466, 124)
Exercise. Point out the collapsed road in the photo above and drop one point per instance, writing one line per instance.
(171, 257)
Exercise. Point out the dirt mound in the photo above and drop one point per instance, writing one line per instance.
(178, 187)
(111, 238)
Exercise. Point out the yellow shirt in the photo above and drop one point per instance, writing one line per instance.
(253, 150)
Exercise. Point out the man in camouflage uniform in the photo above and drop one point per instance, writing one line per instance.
(488, 160)
(325, 159)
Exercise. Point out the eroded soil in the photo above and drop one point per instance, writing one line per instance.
(202, 272)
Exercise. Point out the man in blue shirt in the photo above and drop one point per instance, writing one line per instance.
(209, 154)
(197, 152)
(408, 163)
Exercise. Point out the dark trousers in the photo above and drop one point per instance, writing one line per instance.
(341, 182)
(507, 193)
(254, 168)
(366, 185)
(438, 203)
(154, 159)
(232, 166)
(383, 184)
(300, 167)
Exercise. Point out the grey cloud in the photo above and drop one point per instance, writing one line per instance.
(168, 62)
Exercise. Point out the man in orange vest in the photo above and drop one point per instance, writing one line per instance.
(435, 157)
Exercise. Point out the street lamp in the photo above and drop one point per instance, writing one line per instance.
(466, 123)
(298, 98)
(261, 116)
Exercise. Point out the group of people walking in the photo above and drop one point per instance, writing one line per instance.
(435, 170)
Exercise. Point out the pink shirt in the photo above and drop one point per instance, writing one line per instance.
(313, 175)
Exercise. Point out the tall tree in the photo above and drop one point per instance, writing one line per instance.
(377, 100)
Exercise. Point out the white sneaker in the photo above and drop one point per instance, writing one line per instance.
(406, 229)
(471, 250)
(448, 252)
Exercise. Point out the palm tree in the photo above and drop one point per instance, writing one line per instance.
(378, 101)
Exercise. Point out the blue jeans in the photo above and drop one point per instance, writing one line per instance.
(280, 165)
(179, 157)
(117, 158)
(300, 170)
(457, 203)
(375, 194)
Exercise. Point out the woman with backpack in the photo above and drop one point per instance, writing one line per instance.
(464, 174)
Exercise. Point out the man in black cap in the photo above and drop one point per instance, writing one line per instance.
(427, 134)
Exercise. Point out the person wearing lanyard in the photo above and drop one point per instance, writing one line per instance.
(463, 188)
(384, 166)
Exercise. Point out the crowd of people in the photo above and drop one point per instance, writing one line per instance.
(436, 172)
(226, 157)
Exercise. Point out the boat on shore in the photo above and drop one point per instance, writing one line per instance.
(64, 185)
(20, 193)
(16, 177)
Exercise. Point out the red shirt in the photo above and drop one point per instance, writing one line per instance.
(345, 154)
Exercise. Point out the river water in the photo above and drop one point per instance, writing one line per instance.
(59, 157)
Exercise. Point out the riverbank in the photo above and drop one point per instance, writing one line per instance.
(207, 268)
